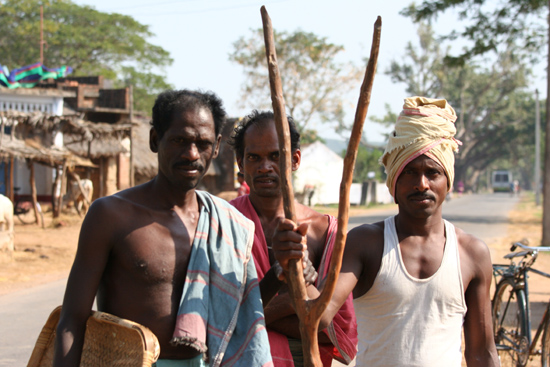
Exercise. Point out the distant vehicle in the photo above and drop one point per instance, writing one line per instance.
(502, 181)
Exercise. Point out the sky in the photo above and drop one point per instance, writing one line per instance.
(199, 34)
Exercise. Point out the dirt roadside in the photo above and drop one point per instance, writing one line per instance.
(41, 255)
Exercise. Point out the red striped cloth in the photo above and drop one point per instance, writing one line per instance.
(343, 329)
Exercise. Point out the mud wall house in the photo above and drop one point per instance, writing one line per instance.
(145, 161)
(25, 143)
(108, 144)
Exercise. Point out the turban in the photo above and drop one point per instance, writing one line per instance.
(425, 126)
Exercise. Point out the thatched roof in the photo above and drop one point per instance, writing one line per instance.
(72, 124)
(33, 150)
(12, 147)
(145, 161)
(106, 146)
(83, 138)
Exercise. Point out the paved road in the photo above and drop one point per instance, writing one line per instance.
(23, 313)
(483, 215)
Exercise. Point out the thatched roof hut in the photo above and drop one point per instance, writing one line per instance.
(35, 137)
(26, 139)
(145, 161)
(83, 138)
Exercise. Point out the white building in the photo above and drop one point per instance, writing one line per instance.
(321, 168)
(43, 100)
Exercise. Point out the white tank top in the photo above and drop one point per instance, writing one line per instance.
(405, 321)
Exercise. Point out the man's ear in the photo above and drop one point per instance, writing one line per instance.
(296, 159)
(153, 140)
(240, 164)
(217, 148)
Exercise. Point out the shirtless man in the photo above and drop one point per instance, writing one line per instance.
(136, 247)
(416, 279)
(257, 150)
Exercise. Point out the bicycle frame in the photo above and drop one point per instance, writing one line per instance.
(533, 341)
(519, 272)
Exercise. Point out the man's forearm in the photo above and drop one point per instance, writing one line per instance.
(485, 359)
(281, 305)
(290, 327)
(68, 347)
(269, 287)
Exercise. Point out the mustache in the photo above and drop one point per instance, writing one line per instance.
(189, 165)
(421, 195)
(272, 177)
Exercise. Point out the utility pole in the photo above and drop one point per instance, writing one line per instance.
(41, 34)
(546, 186)
(537, 149)
(132, 142)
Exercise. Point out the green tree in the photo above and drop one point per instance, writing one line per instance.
(489, 26)
(422, 70)
(367, 161)
(492, 27)
(89, 41)
(314, 83)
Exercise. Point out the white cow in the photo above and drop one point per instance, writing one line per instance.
(76, 196)
(6, 224)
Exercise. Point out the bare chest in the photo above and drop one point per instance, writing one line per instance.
(153, 254)
(422, 260)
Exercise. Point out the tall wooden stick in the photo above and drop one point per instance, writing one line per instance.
(296, 281)
(349, 164)
(310, 311)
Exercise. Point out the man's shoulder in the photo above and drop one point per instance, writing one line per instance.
(365, 244)
(373, 233)
(469, 242)
(239, 201)
(304, 212)
(232, 213)
(133, 194)
(319, 223)
(473, 251)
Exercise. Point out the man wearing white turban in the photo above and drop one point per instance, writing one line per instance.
(416, 279)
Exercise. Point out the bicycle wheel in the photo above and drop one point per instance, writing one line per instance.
(546, 345)
(24, 211)
(510, 324)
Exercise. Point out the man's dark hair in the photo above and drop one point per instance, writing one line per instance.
(173, 101)
(255, 118)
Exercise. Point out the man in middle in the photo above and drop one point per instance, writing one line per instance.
(256, 147)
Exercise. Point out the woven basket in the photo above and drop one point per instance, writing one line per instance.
(109, 341)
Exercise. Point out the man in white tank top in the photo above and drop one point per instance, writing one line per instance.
(416, 279)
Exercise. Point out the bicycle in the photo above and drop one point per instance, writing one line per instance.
(511, 309)
(22, 208)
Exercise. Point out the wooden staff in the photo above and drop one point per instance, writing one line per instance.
(310, 311)
(296, 277)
